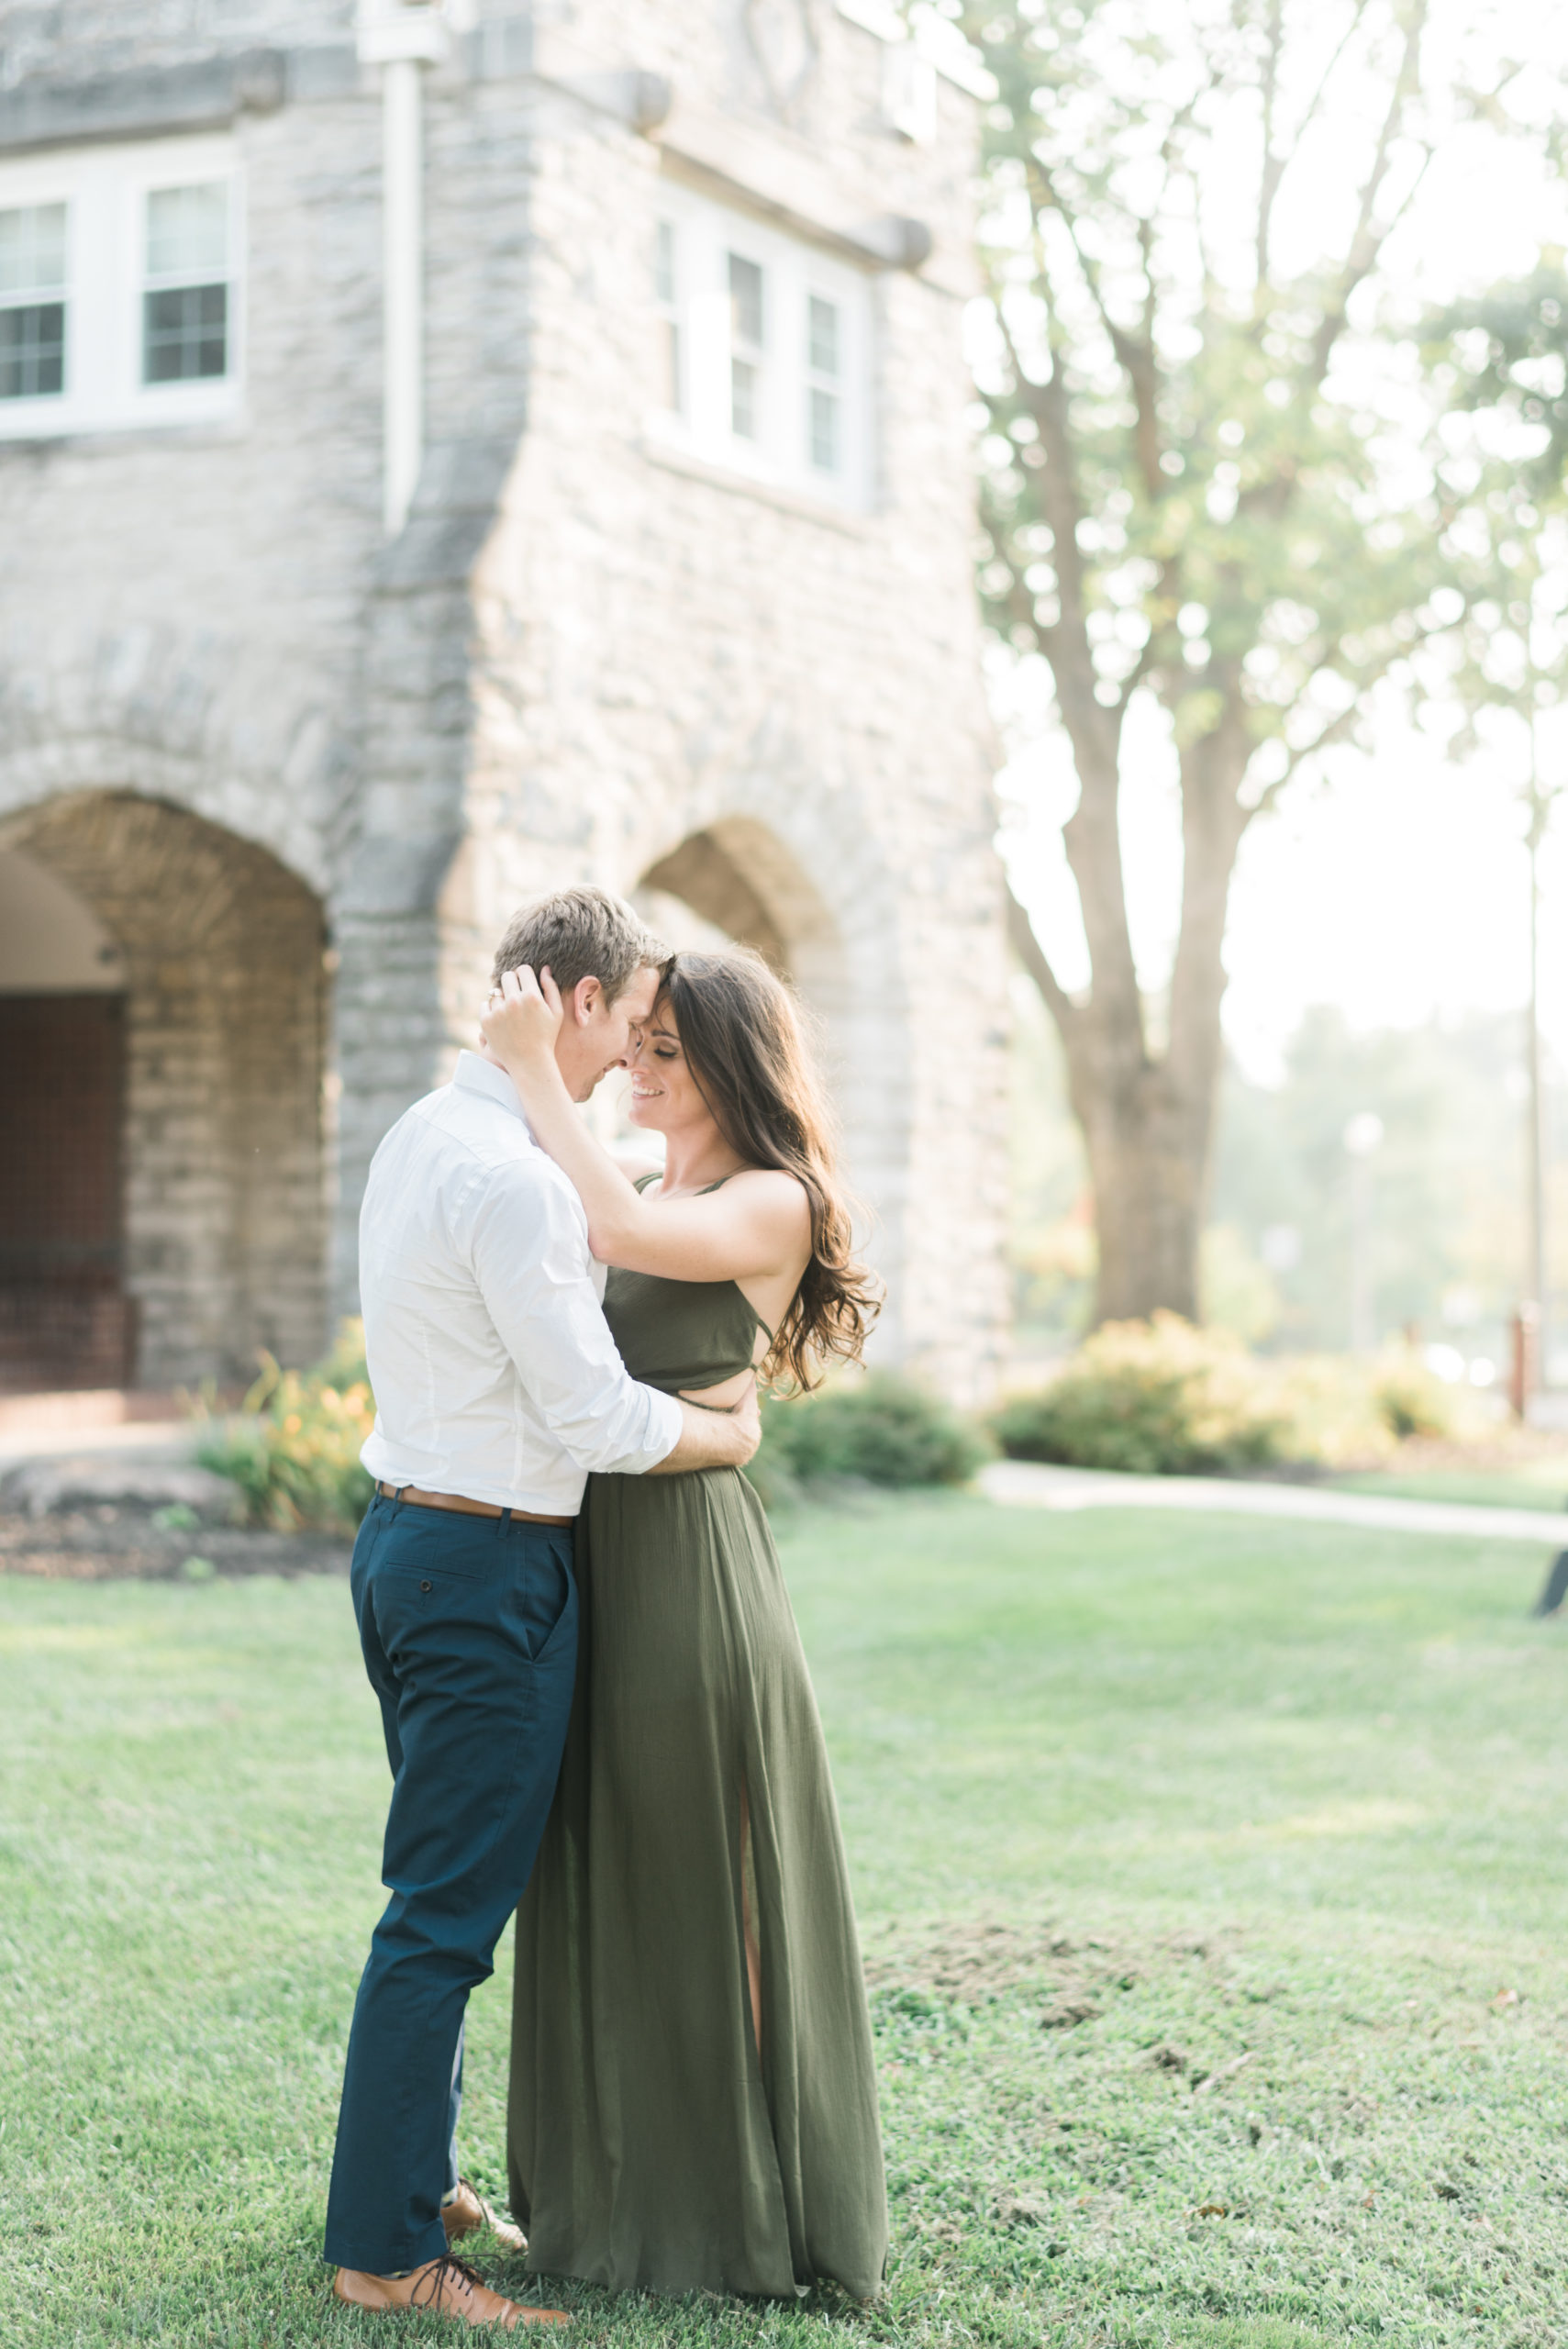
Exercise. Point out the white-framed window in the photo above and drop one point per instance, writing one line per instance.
(119, 287)
(185, 297)
(34, 284)
(667, 293)
(763, 362)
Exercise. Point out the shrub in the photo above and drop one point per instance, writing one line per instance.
(880, 1429)
(292, 1448)
(1162, 1398)
(1410, 1398)
(1154, 1397)
(1330, 1411)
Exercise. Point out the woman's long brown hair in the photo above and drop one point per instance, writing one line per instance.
(741, 1036)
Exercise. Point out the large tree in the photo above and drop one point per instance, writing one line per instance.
(1214, 475)
(1502, 360)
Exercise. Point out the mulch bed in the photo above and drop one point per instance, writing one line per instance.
(106, 1543)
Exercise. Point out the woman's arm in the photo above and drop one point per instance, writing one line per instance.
(756, 1224)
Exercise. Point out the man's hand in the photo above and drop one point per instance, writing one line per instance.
(522, 1018)
(722, 1438)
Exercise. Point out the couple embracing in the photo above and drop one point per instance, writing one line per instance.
(594, 1701)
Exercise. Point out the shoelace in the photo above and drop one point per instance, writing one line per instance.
(426, 2292)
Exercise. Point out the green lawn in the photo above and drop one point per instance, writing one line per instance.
(1214, 1876)
(1533, 1483)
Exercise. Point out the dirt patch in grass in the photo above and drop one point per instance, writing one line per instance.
(1067, 1967)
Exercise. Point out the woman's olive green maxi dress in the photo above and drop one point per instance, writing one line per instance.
(647, 2143)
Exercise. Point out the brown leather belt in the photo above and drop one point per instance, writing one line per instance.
(415, 1498)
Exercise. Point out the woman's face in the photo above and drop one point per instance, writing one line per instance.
(664, 1095)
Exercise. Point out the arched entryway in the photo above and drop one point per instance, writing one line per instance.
(177, 1102)
(740, 880)
(736, 878)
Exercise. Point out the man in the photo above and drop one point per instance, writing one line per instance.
(497, 1387)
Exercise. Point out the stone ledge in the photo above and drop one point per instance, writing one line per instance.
(676, 460)
(204, 95)
(772, 174)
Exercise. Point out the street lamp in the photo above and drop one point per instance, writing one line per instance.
(1362, 1140)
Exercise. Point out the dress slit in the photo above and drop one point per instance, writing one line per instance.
(751, 1922)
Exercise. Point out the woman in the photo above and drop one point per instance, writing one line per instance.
(693, 2100)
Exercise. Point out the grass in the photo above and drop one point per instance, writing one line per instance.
(1213, 1881)
(1533, 1483)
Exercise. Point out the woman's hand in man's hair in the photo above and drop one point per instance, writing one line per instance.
(521, 1019)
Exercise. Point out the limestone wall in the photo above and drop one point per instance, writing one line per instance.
(578, 654)
(665, 651)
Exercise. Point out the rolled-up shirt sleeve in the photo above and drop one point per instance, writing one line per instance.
(527, 1240)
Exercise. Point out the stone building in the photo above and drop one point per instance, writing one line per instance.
(446, 452)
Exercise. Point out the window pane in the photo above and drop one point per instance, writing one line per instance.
(671, 387)
(825, 432)
(746, 301)
(665, 262)
(743, 399)
(823, 331)
(32, 350)
(187, 231)
(32, 248)
(185, 334)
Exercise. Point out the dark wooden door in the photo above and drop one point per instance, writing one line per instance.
(64, 1319)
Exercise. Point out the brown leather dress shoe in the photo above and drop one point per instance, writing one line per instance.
(470, 2211)
(445, 2287)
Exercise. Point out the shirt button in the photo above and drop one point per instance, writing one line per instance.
(423, 1585)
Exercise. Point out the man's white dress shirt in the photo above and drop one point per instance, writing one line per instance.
(493, 1365)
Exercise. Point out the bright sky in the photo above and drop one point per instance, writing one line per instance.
(1395, 888)
(1394, 885)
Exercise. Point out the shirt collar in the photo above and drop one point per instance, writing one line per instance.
(473, 1074)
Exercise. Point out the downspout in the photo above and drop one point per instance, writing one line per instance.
(402, 37)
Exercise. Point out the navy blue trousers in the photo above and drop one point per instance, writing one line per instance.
(469, 1627)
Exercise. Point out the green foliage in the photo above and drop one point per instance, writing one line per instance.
(1410, 1399)
(294, 1446)
(1153, 1399)
(1444, 1191)
(1238, 1291)
(1181, 494)
(880, 1430)
(1161, 1398)
(1506, 350)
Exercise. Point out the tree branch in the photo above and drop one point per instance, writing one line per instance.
(1032, 955)
(1339, 724)
(1368, 241)
(1135, 358)
(1148, 655)
(1274, 165)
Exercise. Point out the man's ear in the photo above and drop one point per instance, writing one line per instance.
(585, 996)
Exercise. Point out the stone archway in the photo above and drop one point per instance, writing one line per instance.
(221, 1165)
(739, 878)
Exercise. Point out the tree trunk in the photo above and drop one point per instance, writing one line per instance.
(1150, 1186)
(1148, 1122)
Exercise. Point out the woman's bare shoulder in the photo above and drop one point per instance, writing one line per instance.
(770, 1192)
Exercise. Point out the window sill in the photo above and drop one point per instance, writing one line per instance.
(160, 410)
(850, 521)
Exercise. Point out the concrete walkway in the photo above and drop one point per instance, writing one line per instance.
(138, 1438)
(1021, 1484)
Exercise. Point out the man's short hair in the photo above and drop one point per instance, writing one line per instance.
(581, 934)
